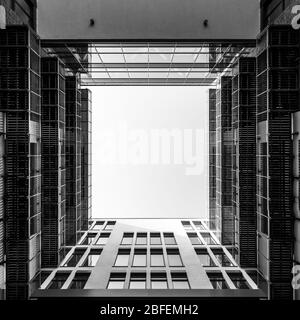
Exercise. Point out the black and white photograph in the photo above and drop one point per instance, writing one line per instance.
(149, 155)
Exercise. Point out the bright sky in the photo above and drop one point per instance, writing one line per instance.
(126, 181)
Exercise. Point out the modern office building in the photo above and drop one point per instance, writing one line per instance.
(277, 99)
(2, 221)
(47, 237)
(53, 160)
(148, 257)
(73, 160)
(224, 143)
(212, 157)
(20, 101)
(244, 160)
(86, 157)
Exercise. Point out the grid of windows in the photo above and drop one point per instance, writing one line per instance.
(152, 261)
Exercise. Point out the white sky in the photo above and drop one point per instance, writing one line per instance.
(148, 191)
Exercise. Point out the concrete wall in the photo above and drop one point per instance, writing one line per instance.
(148, 19)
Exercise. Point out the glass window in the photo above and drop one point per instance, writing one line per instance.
(137, 281)
(110, 225)
(238, 280)
(205, 258)
(74, 259)
(88, 238)
(187, 225)
(141, 239)
(98, 225)
(198, 225)
(79, 280)
(92, 258)
(140, 258)
(116, 281)
(207, 238)
(103, 238)
(58, 280)
(159, 281)
(169, 238)
(217, 280)
(222, 258)
(127, 239)
(122, 259)
(157, 258)
(174, 258)
(194, 238)
(180, 280)
(155, 238)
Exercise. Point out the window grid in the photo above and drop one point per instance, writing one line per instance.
(166, 247)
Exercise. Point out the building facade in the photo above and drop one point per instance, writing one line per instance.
(86, 157)
(20, 101)
(139, 257)
(212, 157)
(53, 161)
(73, 160)
(244, 160)
(224, 145)
(47, 237)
